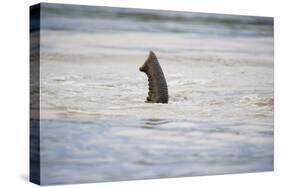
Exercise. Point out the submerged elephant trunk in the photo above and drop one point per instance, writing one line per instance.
(158, 89)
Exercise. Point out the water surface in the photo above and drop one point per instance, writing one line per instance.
(96, 126)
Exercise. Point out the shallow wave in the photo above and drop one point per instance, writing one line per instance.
(259, 101)
(187, 82)
(74, 11)
(105, 19)
(104, 148)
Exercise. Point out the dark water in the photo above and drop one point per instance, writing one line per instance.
(106, 19)
(122, 149)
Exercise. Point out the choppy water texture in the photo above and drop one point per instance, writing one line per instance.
(96, 126)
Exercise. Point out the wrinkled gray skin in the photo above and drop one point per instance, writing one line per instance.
(158, 89)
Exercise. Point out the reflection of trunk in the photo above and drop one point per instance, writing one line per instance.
(158, 90)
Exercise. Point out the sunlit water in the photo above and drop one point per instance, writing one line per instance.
(96, 125)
